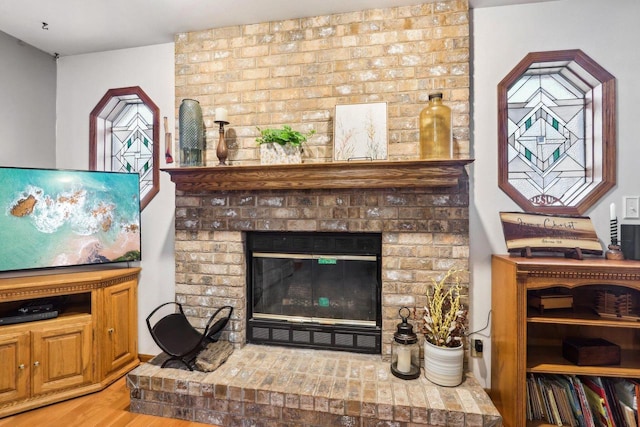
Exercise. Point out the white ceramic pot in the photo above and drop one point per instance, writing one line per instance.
(443, 365)
(273, 154)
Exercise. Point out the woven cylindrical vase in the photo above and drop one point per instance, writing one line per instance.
(191, 133)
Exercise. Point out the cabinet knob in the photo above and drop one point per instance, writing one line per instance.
(36, 363)
(21, 366)
(110, 330)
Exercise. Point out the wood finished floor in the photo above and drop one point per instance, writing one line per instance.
(107, 408)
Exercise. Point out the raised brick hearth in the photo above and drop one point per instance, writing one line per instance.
(275, 386)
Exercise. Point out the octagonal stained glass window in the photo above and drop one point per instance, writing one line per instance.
(556, 132)
(124, 132)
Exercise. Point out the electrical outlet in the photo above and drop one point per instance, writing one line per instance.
(477, 348)
(631, 207)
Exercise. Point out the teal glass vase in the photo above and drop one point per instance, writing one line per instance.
(191, 135)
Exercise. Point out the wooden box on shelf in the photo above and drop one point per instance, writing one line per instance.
(590, 351)
(550, 301)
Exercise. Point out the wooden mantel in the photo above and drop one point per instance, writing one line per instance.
(376, 174)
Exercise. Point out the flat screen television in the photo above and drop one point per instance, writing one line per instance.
(54, 218)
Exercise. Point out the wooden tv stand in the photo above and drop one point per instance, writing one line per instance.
(92, 342)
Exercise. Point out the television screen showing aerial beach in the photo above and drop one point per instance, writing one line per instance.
(52, 218)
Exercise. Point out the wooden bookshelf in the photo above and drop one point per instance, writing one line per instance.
(526, 340)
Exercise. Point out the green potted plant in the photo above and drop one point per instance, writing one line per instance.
(443, 325)
(281, 145)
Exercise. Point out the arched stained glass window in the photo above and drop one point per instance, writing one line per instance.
(124, 132)
(556, 114)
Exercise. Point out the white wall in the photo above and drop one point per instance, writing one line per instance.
(82, 82)
(27, 111)
(501, 36)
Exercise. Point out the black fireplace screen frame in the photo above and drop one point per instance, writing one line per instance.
(308, 331)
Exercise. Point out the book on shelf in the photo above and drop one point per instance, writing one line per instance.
(583, 401)
(538, 411)
(614, 402)
(555, 402)
(573, 399)
(586, 410)
(597, 385)
(534, 409)
(544, 400)
(627, 392)
(567, 415)
(629, 415)
(598, 407)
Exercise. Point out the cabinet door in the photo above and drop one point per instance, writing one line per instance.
(61, 356)
(120, 327)
(14, 366)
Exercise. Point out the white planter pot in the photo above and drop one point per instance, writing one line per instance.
(276, 154)
(443, 365)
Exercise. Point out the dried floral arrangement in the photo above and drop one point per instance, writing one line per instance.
(444, 320)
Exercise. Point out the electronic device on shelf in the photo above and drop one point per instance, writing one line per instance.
(39, 309)
(30, 317)
(36, 308)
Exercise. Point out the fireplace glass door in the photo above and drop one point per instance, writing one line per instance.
(326, 289)
(323, 297)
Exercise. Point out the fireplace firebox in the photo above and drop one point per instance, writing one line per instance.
(314, 290)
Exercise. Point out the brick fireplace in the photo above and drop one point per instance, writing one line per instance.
(295, 72)
(421, 210)
(422, 217)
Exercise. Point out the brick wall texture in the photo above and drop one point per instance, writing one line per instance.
(424, 234)
(295, 72)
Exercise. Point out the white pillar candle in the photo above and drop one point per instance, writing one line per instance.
(404, 359)
(221, 115)
(612, 211)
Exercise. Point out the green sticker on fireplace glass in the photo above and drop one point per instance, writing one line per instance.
(327, 261)
(323, 302)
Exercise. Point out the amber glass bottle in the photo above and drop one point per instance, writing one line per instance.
(435, 129)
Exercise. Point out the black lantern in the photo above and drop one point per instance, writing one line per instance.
(404, 350)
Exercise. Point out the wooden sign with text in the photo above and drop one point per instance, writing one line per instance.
(526, 233)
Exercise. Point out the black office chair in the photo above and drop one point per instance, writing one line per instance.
(179, 339)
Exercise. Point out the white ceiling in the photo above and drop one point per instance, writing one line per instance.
(84, 26)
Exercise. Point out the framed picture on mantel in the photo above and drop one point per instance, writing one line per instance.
(360, 132)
